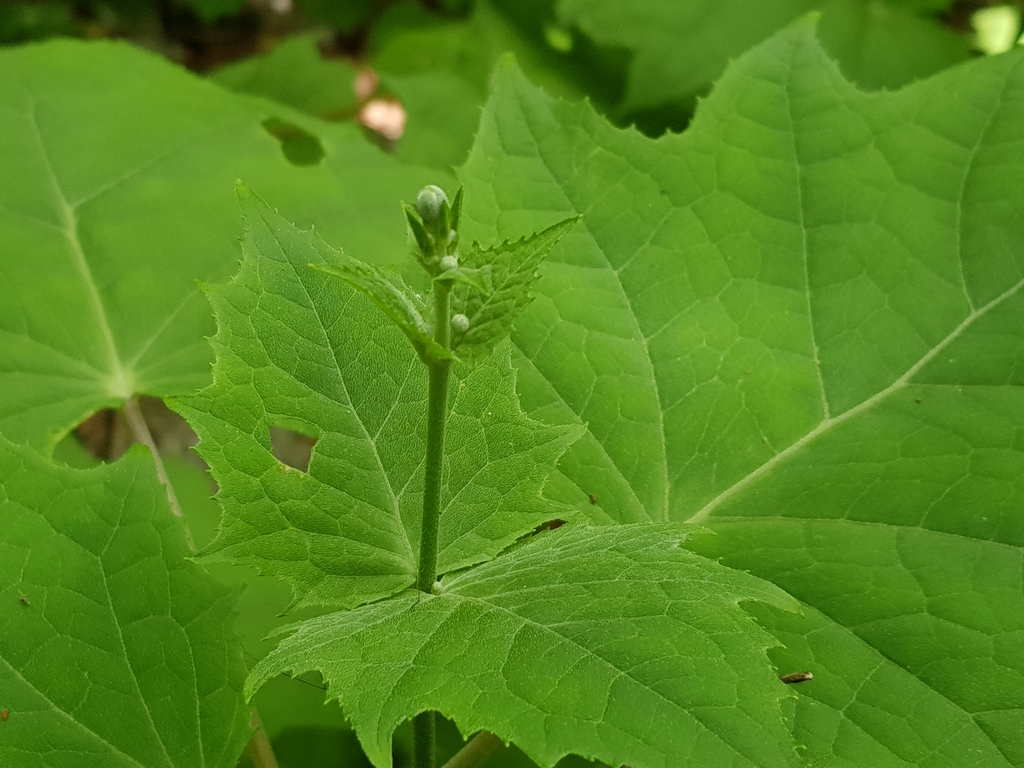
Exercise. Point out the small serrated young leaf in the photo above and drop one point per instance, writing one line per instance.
(115, 648)
(298, 345)
(390, 294)
(456, 210)
(477, 279)
(513, 271)
(610, 643)
(419, 233)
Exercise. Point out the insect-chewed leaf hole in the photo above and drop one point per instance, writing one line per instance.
(298, 146)
(292, 443)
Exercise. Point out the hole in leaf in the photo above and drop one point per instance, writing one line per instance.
(292, 441)
(298, 146)
(106, 435)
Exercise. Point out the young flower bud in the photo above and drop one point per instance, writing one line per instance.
(428, 202)
(460, 323)
(449, 262)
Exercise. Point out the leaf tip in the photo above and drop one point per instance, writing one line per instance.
(242, 190)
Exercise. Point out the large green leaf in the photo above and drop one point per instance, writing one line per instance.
(800, 322)
(611, 643)
(117, 172)
(298, 345)
(294, 73)
(115, 649)
(680, 46)
(440, 70)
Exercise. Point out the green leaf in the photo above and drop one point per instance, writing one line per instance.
(389, 293)
(441, 72)
(889, 44)
(294, 73)
(476, 279)
(344, 16)
(297, 345)
(288, 707)
(24, 20)
(511, 271)
(115, 649)
(209, 10)
(611, 643)
(680, 46)
(108, 220)
(800, 324)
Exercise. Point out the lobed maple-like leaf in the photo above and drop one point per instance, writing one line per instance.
(115, 649)
(116, 177)
(800, 323)
(611, 643)
(297, 345)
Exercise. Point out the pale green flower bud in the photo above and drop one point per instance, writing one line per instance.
(460, 323)
(428, 202)
(449, 262)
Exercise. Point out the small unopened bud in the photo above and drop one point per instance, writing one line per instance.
(460, 323)
(449, 262)
(428, 202)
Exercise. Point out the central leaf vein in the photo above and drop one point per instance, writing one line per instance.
(827, 424)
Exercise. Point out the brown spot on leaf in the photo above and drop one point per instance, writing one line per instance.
(796, 677)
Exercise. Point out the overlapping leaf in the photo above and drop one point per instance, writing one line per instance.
(440, 70)
(116, 177)
(115, 649)
(392, 296)
(680, 46)
(511, 271)
(294, 73)
(611, 643)
(297, 345)
(800, 322)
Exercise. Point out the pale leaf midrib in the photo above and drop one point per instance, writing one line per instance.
(828, 424)
(120, 635)
(804, 248)
(119, 383)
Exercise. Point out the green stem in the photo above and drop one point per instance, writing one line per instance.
(423, 728)
(424, 741)
(437, 414)
(476, 752)
(259, 748)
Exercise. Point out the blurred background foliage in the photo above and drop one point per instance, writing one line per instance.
(416, 71)
(414, 75)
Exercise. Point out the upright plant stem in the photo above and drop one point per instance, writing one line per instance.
(437, 414)
(423, 726)
(424, 741)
